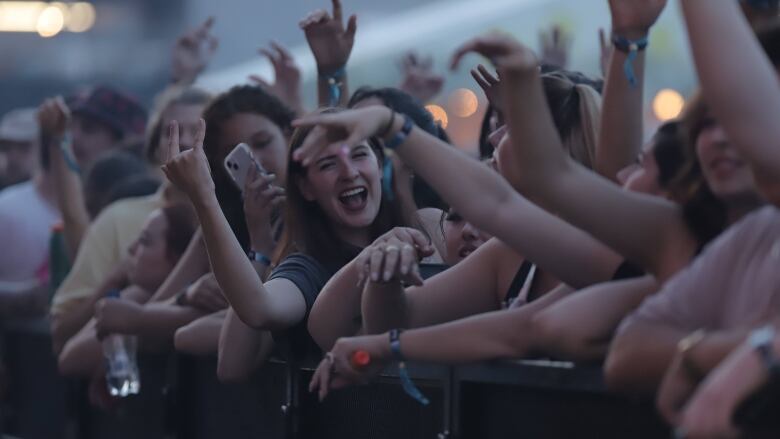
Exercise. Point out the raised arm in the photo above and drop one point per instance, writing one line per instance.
(54, 117)
(536, 162)
(740, 85)
(620, 136)
(331, 44)
(487, 201)
(278, 304)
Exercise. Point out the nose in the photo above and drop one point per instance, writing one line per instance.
(347, 168)
(718, 135)
(469, 232)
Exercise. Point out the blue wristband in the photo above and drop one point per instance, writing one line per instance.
(65, 144)
(632, 48)
(256, 256)
(401, 135)
(334, 85)
(403, 374)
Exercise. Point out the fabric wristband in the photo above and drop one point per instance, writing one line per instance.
(632, 48)
(65, 150)
(401, 135)
(334, 81)
(403, 374)
(256, 256)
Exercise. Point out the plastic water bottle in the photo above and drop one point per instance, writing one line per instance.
(122, 376)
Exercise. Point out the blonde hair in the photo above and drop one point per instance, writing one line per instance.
(576, 112)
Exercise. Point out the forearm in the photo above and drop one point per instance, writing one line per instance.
(82, 354)
(159, 321)
(746, 101)
(336, 312)
(620, 135)
(193, 264)
(384, 307)
(241, 349)
(70, 198)
(235, 274)
(66, 325)
(497, 334)
(201, 337)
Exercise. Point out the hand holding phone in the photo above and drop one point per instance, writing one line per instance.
(238, 162)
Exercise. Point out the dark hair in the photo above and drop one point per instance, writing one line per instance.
(705, 215)
(134, 186)
(108, 171)
(182, 224)
(768, 34)
(237, 100)
(404, 103)
(669, 151)
(485, 147)
(306, 228)
(170, 97)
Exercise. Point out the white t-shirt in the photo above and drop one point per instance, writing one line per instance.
(26, 219)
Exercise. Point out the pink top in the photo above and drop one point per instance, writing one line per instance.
(735, 282)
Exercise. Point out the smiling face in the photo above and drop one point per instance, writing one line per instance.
(265, 139)
(346, 184)
(461, 238)
(727, 174)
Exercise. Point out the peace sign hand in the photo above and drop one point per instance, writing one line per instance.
(189, 170)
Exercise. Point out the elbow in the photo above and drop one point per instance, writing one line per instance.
(70, 364)
(185, 342)
(550, 332)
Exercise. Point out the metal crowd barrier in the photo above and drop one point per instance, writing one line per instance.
(182, 398)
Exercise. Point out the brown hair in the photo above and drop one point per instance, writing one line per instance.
(306, 228)
(165, 100)
(182, 224)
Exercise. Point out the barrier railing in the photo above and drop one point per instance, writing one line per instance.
(182, 398)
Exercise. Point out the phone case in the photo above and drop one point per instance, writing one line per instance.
(238, 162)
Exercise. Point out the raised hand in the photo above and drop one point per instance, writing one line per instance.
(633, 18)
(346, 128)
(555, 44)
(189, 170)
(330, 43)
(206, 294)
(287, 77)
(53, 117)
(261, 198)
(394, 256)
(489, 84)
(419, 79)
(336, 370)
(193, 52)
(502, 50)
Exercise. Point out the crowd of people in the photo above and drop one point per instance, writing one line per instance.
(571, 236)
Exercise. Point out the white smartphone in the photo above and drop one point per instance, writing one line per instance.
(238, 163)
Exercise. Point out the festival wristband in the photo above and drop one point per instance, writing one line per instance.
(335, 81)
(632, 48)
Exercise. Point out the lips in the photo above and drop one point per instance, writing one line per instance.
(354, 199)
(724, 166)
(466, 250)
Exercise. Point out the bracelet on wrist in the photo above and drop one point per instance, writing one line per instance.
(335, 80)
(632, 48)
(65, 150)
(684, 348)
(400, 137)
(403, 374)
(256, 256)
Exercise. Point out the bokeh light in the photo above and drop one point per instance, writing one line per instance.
(81, 17)
(668, 104)
(50, 22)
(439, 115)
(463, 102)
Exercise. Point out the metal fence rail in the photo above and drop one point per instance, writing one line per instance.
(182, 398)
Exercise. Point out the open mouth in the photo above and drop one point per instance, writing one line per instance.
(466, 250)
(354, 199)
(724, 165)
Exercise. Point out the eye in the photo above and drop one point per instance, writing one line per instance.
(453, 217)
(360, 154)
(326, 165)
